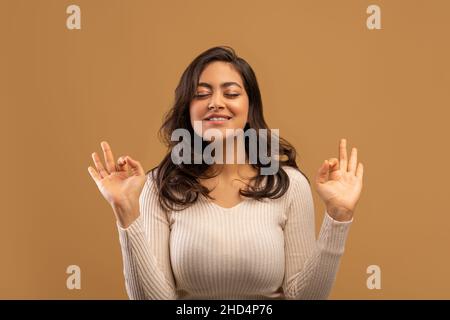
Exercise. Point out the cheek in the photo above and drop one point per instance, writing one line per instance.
(195, 112)
(240, 110)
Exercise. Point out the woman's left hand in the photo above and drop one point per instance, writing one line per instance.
(339, 183)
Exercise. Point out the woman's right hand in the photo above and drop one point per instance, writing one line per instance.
(120, 183)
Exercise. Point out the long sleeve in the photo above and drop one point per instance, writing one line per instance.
(145, 250)
(311, 265)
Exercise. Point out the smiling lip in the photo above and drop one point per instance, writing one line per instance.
(217, 118)
(216, 122)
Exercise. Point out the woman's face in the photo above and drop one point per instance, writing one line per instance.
(220, 101)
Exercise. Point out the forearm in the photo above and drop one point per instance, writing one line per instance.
(133, 283)
(316, 277)
(144, 235)
(142, 271)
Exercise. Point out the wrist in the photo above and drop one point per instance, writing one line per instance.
(126, 212)
(340, 214)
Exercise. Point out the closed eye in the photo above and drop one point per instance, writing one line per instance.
(205, 95)
(201, 95)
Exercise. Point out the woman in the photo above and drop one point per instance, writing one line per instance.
(223, 230)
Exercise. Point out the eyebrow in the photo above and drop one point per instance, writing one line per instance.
(223, 85)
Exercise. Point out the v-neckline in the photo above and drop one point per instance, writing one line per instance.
(212, 203)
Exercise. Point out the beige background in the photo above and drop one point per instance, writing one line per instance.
(323, 76)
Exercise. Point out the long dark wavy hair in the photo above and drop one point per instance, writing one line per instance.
(178, 184)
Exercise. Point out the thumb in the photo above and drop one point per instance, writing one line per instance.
(135, 165)
(322, 175)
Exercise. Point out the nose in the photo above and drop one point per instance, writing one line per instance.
(216, 102)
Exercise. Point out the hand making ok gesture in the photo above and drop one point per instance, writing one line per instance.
(339, 183)
(120, 183)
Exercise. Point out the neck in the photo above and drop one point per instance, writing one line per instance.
(234, 168)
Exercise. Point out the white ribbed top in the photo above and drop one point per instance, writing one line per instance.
(254, 250)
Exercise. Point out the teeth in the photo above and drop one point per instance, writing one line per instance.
(217, 119)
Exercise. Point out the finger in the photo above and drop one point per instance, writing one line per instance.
(94, 174)
(322, 174)
(334, 164)
(343, 154)
(122, 164)
(109, 158)
(135, 166)
(353, 161)
(101, 170)
(360, 171)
